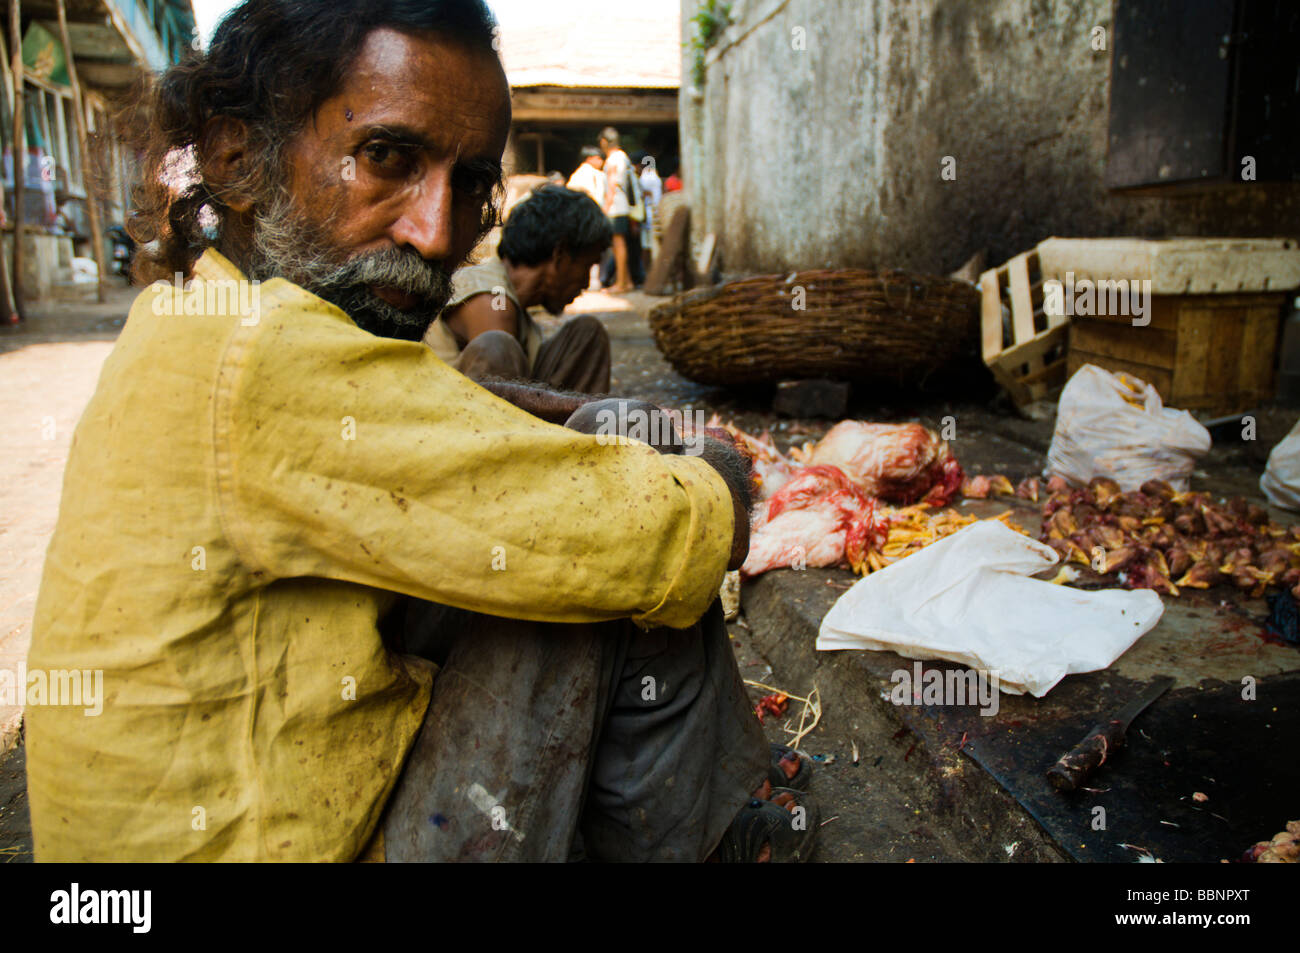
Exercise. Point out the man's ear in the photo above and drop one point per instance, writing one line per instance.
(224, 149)
(559, 257)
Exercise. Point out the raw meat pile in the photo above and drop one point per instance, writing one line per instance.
(817, 518)
(982, 487)
(1284, 848)
(821, 506)
(1157, 538)
(899, 463)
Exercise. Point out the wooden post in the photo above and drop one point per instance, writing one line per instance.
(19, 147)
(10, 309)
(87, 178)
(10, 313)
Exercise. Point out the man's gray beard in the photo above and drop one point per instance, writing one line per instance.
(286, 245)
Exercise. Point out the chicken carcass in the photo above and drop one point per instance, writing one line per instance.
(818, 518)
(900, 463)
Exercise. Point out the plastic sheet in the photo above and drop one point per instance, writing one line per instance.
(1116, 426)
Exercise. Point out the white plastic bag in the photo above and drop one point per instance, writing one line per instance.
(967, 598)
(1116, 426)
(1281, 479)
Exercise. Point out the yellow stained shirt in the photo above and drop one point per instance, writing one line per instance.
(245, 491)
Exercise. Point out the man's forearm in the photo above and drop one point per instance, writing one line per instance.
(617, 414)
(550, 405)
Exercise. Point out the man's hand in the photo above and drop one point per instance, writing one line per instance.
(734, 469)
(626, 417)
(552, 406)
(622, 415)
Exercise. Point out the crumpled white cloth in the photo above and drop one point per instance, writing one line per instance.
(967, 599)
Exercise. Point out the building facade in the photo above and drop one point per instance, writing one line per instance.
(599, 65)
(913, 133)
(113, 42)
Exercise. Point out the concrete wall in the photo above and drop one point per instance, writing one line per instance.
(830, 155)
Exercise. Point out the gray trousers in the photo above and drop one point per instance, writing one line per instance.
(550, 742)
(575, 358)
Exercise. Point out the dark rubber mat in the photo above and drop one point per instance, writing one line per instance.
(1240, 754)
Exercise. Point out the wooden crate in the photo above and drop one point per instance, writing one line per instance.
(1212, 352)
(1028, 358)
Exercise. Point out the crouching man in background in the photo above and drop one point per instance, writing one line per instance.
(548, 246)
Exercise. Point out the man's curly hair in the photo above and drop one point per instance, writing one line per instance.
(271, 63)
(554, 218)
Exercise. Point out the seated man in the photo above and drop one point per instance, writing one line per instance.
(273, 470)
(548, 247)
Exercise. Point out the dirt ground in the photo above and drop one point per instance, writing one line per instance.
(48, 370)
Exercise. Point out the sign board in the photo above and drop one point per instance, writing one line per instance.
(43, 56)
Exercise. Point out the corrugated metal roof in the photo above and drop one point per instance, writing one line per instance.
(604, 46)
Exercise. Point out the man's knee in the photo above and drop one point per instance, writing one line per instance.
(493, 354)
(628, 417)
(588, 327)
(586, 334)
(494, 343)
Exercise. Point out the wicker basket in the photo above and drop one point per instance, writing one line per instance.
(892, 327)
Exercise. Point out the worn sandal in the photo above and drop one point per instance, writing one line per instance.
(776, 774)
(791, 834)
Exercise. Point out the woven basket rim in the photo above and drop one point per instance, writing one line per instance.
(855, 322)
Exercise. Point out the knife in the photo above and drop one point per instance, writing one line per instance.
(1080, 761)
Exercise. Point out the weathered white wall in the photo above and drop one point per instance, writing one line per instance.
(830, 155)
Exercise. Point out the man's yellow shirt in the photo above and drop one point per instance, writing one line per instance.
(247, 489)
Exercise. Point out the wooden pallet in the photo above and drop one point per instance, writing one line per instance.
(1028, 359)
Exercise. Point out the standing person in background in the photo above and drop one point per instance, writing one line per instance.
(652, 190)
(588, 176)
(619, 198)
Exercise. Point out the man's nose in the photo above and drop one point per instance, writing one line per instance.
(425, 224)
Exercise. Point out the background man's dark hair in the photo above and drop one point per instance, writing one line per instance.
(271, 63)
(552, 218)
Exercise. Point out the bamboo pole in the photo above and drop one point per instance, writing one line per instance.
(10, 315)
(19, 147)
(87, 177)
(8, 70)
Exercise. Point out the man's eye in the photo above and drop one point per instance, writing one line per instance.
(475, 185)
(387, 158)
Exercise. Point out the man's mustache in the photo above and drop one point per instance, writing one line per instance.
(401, 269)
(287, 244)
